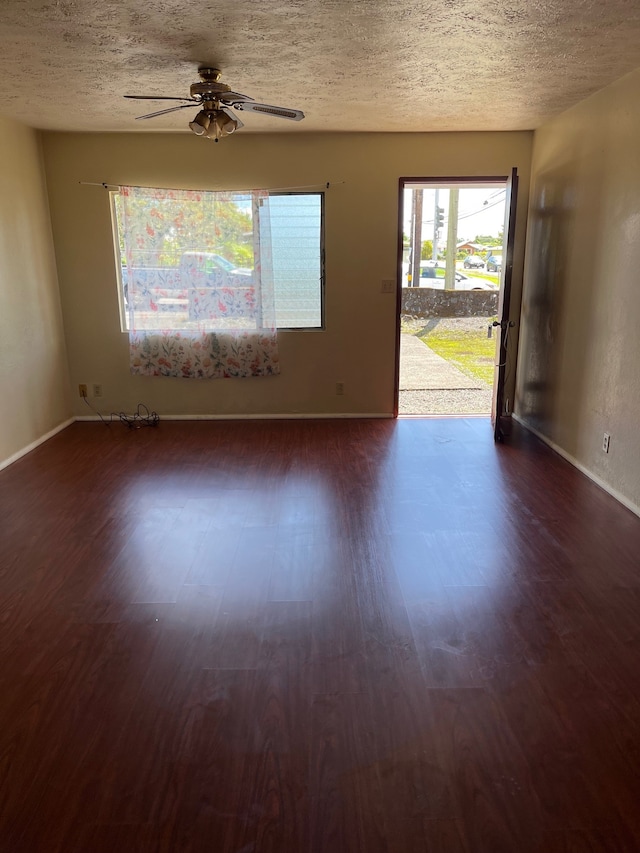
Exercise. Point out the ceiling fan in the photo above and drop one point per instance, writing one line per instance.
(216, 118)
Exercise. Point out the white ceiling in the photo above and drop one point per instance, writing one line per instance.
(350, 65)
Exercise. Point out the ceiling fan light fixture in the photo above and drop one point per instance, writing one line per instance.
(220, 125)
(200, 124)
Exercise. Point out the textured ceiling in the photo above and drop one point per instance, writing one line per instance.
(368, 65)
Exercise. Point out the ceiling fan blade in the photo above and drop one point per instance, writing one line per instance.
(159, 98)
(233, 97)
(164, 112)
(232, 115)
(269, 110)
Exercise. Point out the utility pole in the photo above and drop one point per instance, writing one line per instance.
(452, 240)
(416, 238)
(436, 227)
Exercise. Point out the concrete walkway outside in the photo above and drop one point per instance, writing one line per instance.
(430, 385)
(422, 369)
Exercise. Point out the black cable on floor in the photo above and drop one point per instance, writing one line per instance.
(142, 417)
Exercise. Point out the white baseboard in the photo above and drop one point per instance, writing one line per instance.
(289, 416)
(20, 453)
(582, 468)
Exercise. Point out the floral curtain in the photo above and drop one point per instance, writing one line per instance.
(198, 281)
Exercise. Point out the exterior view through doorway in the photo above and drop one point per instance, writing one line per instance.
(454, 261)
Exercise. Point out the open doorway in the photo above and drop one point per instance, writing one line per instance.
(454, 256)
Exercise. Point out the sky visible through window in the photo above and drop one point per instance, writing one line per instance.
(480, 212)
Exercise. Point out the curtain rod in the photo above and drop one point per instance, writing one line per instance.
(326, 185)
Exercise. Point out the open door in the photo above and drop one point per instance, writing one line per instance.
(499, 415)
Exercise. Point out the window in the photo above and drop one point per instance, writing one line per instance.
(297, 245)
(296, 238)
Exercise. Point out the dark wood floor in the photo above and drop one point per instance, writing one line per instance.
(315, 637)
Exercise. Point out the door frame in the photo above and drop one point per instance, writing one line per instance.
(444, 182)
(500, 419)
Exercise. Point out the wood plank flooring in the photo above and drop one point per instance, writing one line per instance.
(315, 637)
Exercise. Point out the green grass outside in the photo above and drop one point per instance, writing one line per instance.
(490, 276)
(471, 352)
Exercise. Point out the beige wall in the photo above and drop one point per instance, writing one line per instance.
(358, 345)
(33, 368)
(579, 368)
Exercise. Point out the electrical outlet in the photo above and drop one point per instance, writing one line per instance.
(606, 440)
(97, 390)
(339, 388)
(388, 285)
(82, 390)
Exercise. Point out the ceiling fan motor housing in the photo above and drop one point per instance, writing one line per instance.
(209, 85)
(208, 89)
